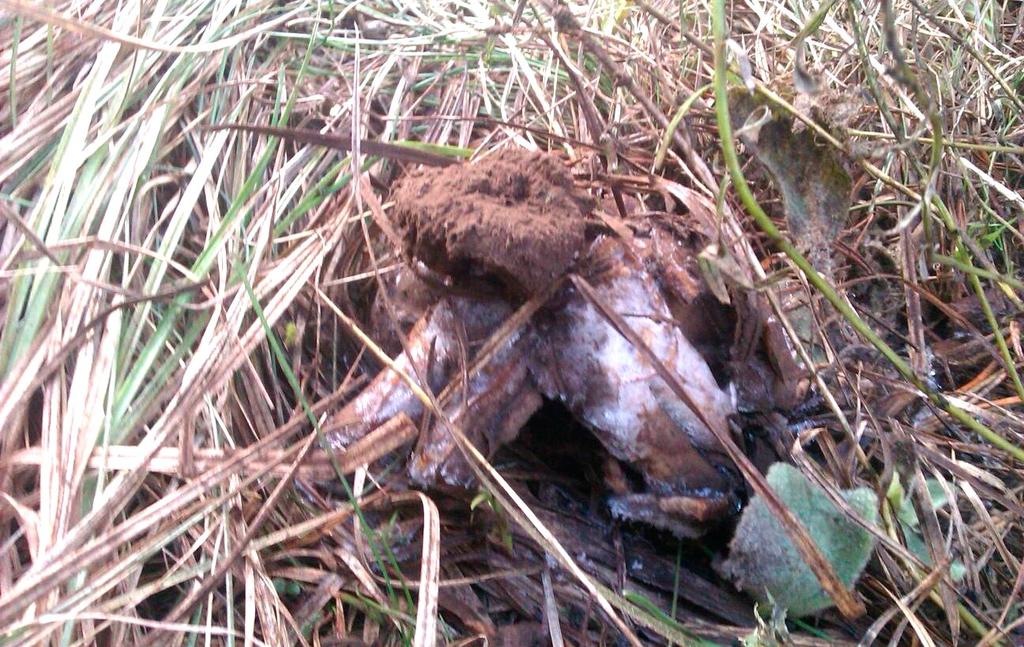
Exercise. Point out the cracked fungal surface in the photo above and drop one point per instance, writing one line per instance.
(514, 220)
(512, 225)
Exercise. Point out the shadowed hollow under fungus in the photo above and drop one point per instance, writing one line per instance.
(485, 239)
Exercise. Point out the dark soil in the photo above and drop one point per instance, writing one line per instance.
(513, 220)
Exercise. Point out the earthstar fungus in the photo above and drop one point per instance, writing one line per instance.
(501, 231)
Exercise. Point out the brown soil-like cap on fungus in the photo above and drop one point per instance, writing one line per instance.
(514, 217)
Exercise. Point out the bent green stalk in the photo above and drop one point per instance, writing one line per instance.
(765, 224)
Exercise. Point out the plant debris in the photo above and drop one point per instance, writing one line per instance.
(814, 185)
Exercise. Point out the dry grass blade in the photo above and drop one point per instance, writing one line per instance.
(430, 569)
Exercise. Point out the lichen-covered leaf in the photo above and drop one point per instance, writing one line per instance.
(763, 561)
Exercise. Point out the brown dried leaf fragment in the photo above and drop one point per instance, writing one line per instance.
(814, 185)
